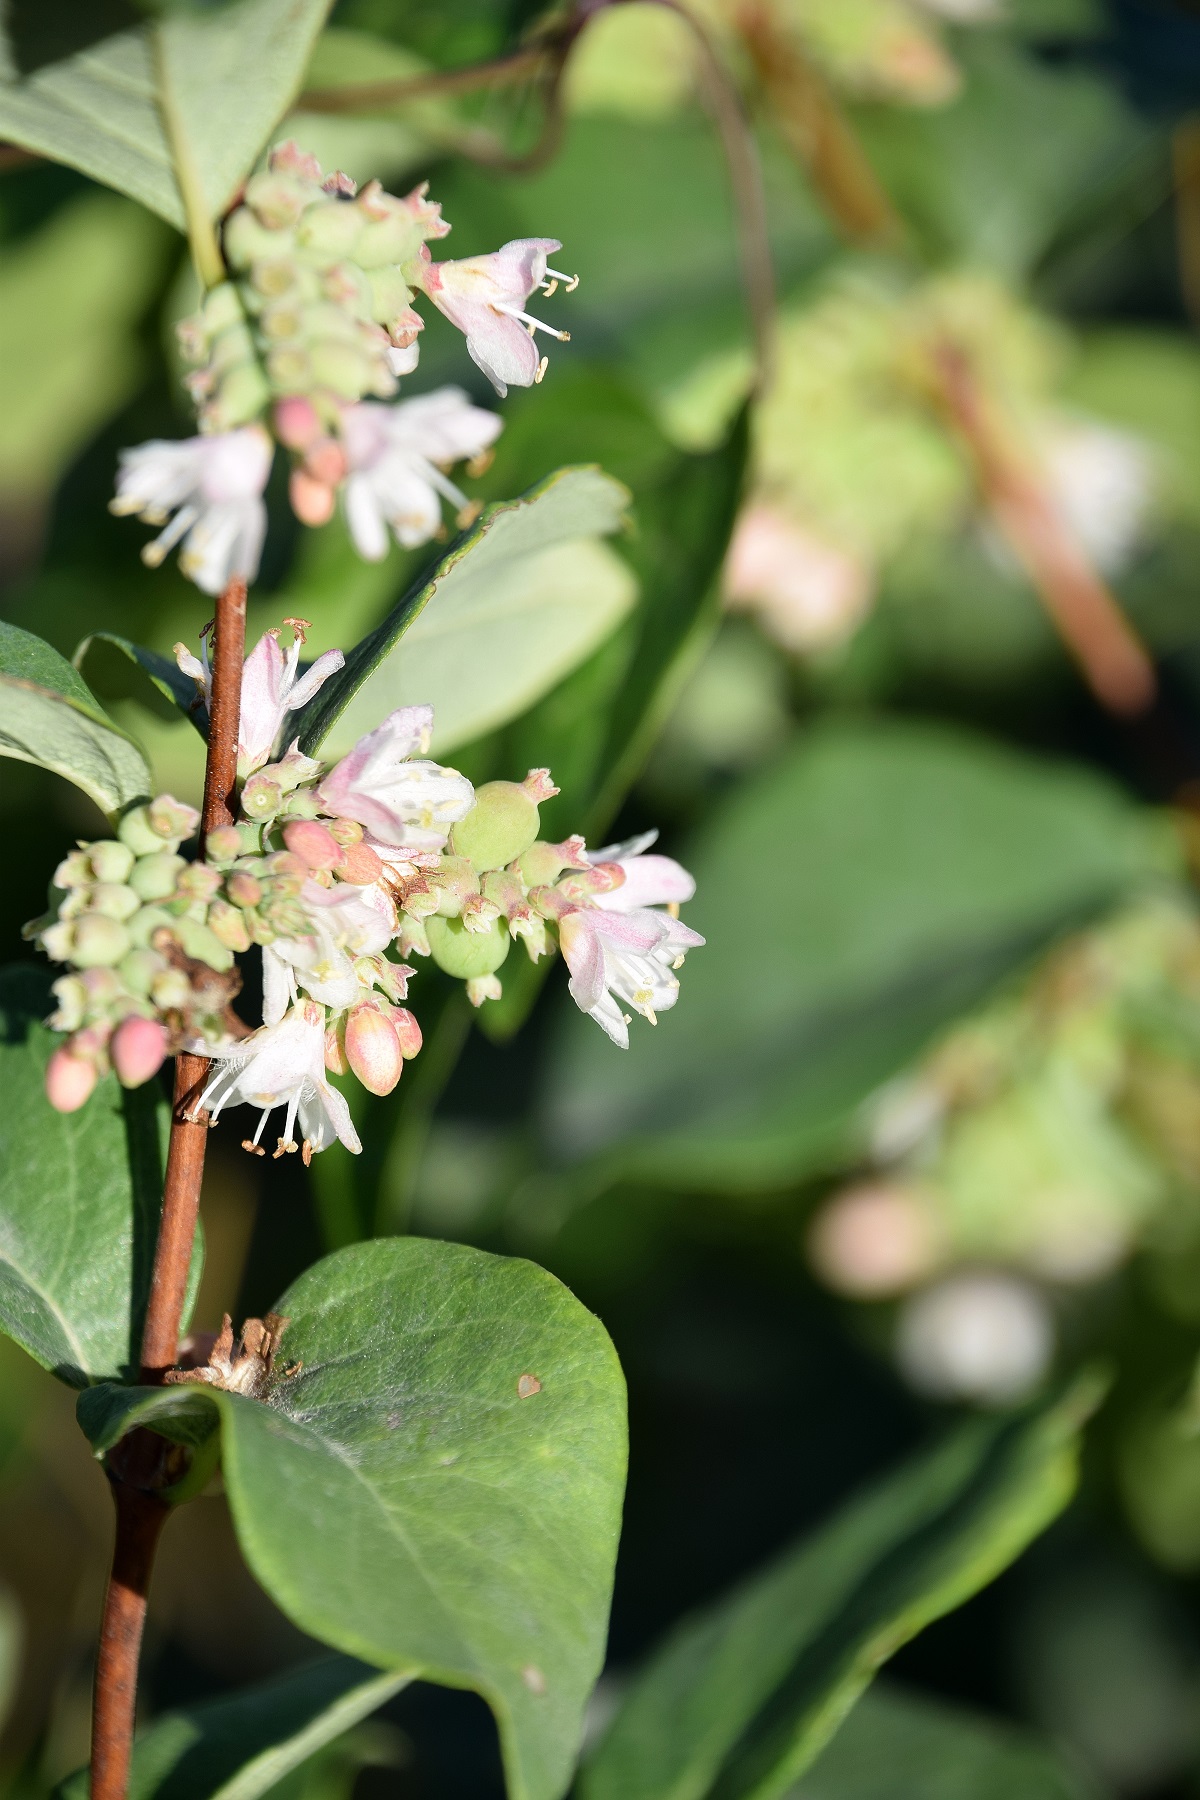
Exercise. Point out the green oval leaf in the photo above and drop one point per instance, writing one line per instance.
(853, 898)
(224, 75)
(743, 1696)
(164, 674)
(79, 1201)
(523, 597)
(404, 1500)
(49, 716)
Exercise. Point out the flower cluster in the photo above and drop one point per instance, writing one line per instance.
(303, 343)
(329, 870)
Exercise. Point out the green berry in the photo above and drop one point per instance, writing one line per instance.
(501, 826)
(464, 953)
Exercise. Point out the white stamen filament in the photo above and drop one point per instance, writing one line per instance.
(514, 312)
(154, 553)
(570, 282)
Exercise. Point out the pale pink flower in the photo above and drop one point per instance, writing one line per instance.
(620, 950)
(272, 688)
(485, 297)
(390, 787)
(807, 592)
(396, 458)
(207, 492)
(283, 1065)
(344, 923)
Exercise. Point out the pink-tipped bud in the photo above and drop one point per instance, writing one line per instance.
(138, 1049)
(223, 844)
(69, 1081)
(360, 865)
(346, 831)
(296, 423)
(335, 1050)
(326, 462)
(408, 1032)
(316, 847)
(538, 786)
(373, 1049)
(312, 501)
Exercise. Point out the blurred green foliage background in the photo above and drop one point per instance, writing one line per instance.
(906, 813)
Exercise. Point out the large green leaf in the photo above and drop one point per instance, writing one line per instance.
(901, 1745)
(203, 85)
(852, 899)
(524, 596)
(79, 1198)
(49, 716)
(238, 1748)
(160, 671)
(741, 1697)
(66, 368)
(408, 1498)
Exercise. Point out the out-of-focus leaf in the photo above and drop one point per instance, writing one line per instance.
(995, 176)
(742, 1696)
(595, 731)
(49, 716)
(385, 140)
(238, 1748)
(901, 1745)
(11, 1636)
(1148, 381)
(166, 675)
(524, 596)
(438, 1488)
(100, 102)
(79, 1200)
(852, 898)
(65, 367)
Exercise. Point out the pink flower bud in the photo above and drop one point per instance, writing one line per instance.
(138, 1048)
(346, 832)
(223, 844)
(69, 1081)
(312, 500)
(373, 1049)
(407, 1030)
(316, 847)
(296, 423)
(243, 889)
(335, 1050)
(326, 462)
(360, 865)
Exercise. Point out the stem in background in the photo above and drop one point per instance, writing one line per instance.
(363, 96)
(1114, 661)
(817, 132)
(142, 1461)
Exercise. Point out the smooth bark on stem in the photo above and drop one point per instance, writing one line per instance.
(139, 1463)
(1114, 661)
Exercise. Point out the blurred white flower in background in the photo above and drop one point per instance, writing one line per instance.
(978, 1335)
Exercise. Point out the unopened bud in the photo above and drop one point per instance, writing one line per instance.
(312, 501)
(466, 954)
(155, 877)
(335, 1049)
(138, 971)
(171, 819)
(326, 462)
(69, 1081)
(408, 1032)
(75, 870)
(296, 423)
(244, 889)
(373, 1049)
(223, 845)
(302, 804)
(313, 844)
(138, 1050)
(360, 865)
(500, 827)
(228, 923)
(58, 940)
(112, 900)
(345, 831)
(111, 861)
(483, 987)
(146, 923)
(202, 944)
(99, 942)
(199, 881)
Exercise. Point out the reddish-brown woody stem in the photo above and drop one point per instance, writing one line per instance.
(1111, 656)
(138, 1465)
